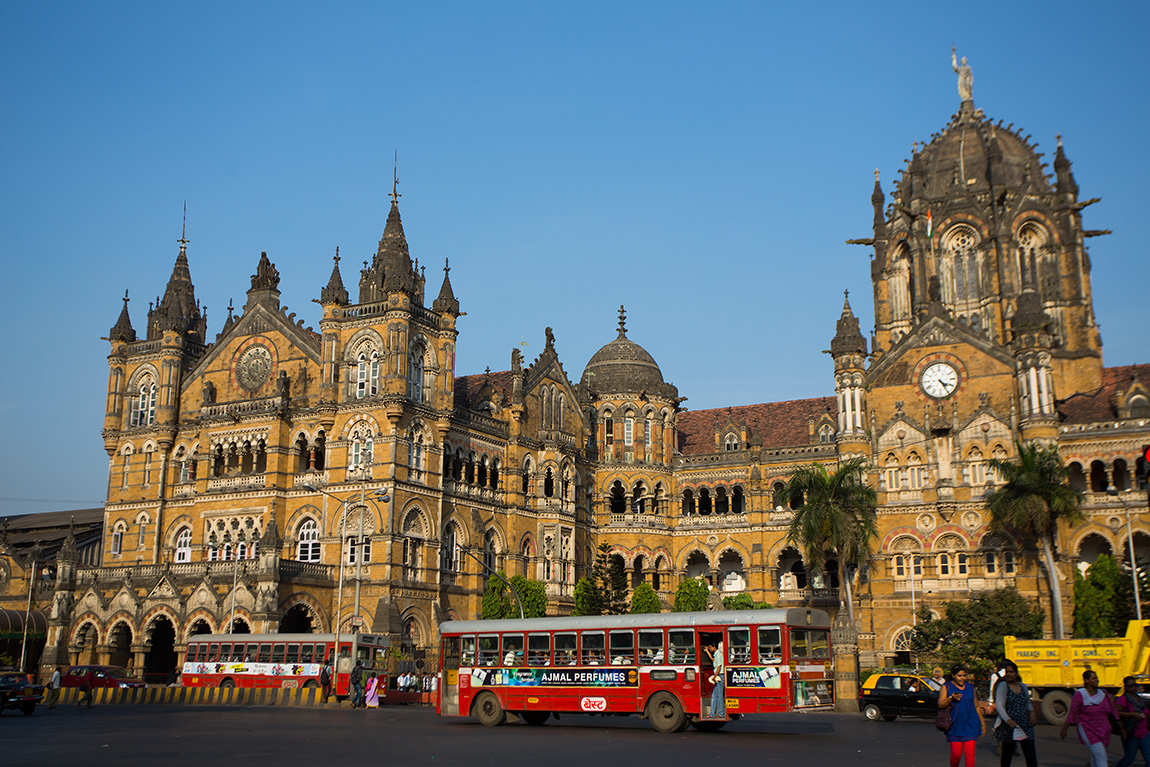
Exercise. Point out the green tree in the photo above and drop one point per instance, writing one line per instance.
(834, 517)
(971, 631)
(744, 601)
(691, 596)
(533, 594)
(645, 600)
(588, 600)
(1036, 494)
(1103, 600)
(495, 599)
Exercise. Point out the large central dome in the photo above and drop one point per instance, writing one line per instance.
(622, 366)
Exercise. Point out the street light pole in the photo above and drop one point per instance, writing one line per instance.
(1113, 491)
(497, 575)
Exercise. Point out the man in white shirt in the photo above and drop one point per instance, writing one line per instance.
(54, 688)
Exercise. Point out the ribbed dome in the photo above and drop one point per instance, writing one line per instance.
(622, 366)
(972, 153)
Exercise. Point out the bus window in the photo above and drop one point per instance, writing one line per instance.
(622, 648)
(799, 647)
(682, 646)
(250, 653)
(467, 651)
(363, 653)
(770, 644)
(538, 649)
(225, 652)
(593, 648)
(265, 654)
(277, 653)
(489, 650)
(819, 644)
(566, 651)
(739, 646)
(513, 650)
(201, 653)
(213, 653)
(451, 652)
(291, 653)
(305, 653)
(650, 647)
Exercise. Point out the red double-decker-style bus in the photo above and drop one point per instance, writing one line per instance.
(281, 660)
(651, 665)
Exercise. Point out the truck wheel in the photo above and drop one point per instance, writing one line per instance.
(666, 713)
(872, 712)
(1055, 707)
(488, 710)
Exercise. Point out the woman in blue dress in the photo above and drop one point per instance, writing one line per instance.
(966, 723)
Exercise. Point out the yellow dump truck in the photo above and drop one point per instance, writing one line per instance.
(1052, 668)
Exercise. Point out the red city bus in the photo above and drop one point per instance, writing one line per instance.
(650, 665)
(280, 660)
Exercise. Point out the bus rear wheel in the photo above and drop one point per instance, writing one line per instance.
(534, 718)
(666, 713)
(227, 684)
(489, 711)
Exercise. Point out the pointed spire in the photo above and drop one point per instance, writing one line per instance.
(878, 200)
(622, 322)
(122, 330)
(848, 339)
(446, 303)
(178, 309)
(1066, 183)
(229, 321)
(334, 293)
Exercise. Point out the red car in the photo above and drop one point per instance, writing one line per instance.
(100, 676)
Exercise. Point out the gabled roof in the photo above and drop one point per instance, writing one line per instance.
(467, 388)
(1098, 405)
(774, 424)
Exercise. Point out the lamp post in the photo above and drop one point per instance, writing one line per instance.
(497, 575)
(358, 541)
(1113, 492)
(30, 570)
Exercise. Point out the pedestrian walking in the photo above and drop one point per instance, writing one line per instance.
(1016, 716)
(1090, 712)
(54, 687)
(966, 724)
(325, 680)
(85, 690)
(357, 684)
(1132, 715)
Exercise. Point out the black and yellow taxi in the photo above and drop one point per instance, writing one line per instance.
(891, 694)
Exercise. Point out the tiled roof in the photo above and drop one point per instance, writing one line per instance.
(1098, 405)
(466, 387)
(774, 424)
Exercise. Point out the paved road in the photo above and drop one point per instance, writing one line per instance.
(295, 737)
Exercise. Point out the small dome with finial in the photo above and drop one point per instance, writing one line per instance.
(623, 366)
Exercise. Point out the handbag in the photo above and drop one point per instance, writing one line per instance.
(942, 719)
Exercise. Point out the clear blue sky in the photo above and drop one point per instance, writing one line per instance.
(701, 163)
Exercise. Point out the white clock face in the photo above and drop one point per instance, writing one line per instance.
(939, 380)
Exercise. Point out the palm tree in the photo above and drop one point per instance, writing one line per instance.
(834, 517)
(1034, 497)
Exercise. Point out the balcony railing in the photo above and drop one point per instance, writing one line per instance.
(810, 595)
(638, 520)
(713, 520)
(242, 482)
(290, 568)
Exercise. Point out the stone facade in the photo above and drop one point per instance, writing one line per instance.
(280, 478)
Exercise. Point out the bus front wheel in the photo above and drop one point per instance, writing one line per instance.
(489, 711)
(227, 684)
(666, 713)
(311, 684)
(534, 718)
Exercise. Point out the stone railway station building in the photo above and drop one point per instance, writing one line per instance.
(260, 478)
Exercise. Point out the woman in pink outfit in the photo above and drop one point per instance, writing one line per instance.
(1092, 711)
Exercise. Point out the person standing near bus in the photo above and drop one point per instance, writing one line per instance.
(718, 693)
(325, 680)
(966, 722)
(357, 684)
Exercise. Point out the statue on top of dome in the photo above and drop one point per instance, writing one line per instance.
(965, 76)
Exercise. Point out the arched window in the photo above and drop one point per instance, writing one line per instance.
(731, 442)
(127, 453)
(960, 264)
(413, 537)
(417, 454)
(916, 473)
(148, 453)
(415, 388)
(826, 433)
(977, 467)
(493, 475)
(181, 465)
(688, 503)
(118, 538)
(361, 449)
(144, 411)
(737, 503)
(307, 547)
(490, 554)
(361, 375)
(1031, 243)
(184, 545)
(449, 554)
(891, 472)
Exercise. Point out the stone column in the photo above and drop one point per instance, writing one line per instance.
(844, 646)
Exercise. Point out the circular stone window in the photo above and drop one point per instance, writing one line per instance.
(254, 367)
